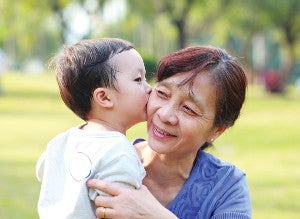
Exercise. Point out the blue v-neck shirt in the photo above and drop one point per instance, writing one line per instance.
(214, 190)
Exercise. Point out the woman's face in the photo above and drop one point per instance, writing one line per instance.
(180, 121)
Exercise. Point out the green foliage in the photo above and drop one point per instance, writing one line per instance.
(150, 66)
(31, 29)
(264, 142)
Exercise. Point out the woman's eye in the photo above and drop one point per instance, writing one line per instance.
(139, 79)
(161, 93)
(189, 110)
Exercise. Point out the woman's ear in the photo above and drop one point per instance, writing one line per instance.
(217, 132)
(101, 97)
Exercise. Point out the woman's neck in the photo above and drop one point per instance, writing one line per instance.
(165, 176)
(167, 171)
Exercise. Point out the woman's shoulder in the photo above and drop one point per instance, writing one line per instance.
(220, 179)
(214, 186)
(140, 145)
(209, 165)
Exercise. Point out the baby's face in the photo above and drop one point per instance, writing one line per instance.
(132, 94)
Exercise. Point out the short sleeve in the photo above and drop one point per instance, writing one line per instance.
(125, 170)
(236, 202)
(39, 168)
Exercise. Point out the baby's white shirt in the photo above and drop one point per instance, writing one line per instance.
(75, 156)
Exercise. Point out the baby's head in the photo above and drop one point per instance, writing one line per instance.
(85, 66)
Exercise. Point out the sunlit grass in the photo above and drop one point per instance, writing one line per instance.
(264, 143)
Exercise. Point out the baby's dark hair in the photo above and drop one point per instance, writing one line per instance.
(83, 67)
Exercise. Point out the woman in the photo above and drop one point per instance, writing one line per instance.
(198, 95)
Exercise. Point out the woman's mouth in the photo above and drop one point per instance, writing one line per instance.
(160, 133)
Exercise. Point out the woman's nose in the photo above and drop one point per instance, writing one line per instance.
(167, 114)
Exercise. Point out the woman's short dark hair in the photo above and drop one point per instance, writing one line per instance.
(225, 71)
(83, 67)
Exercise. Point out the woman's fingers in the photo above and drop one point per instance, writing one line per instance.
(103, 201)
(104, 212)
(106, 187)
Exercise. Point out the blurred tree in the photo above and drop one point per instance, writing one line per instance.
(245, 21)
(189, 17)
(178, 12)
(19, 26)
(32, 29)
(235, 30)
(57, 7)
(283, 16)
(25, 27)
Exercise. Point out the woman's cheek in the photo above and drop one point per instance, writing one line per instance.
(151, 104)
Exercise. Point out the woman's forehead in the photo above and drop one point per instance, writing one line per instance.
(199, 89)
(187, 80)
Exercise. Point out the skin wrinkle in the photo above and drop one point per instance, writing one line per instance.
(200, 104)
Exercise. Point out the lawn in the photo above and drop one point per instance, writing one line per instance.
(265, 142)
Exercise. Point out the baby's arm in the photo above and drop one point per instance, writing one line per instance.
(125, 171)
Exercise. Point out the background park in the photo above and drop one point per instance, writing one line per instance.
(264, 35)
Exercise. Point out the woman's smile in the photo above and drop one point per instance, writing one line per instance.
(161, 133)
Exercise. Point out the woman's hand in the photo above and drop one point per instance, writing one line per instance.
(127, 203)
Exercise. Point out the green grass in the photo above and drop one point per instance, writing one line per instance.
(265, 142)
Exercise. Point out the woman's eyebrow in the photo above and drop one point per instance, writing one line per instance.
(198, 102)
(168, 84)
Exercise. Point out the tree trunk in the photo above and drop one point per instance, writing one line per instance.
(289, 63)
(181, 40)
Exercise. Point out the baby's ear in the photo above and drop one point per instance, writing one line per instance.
(101, 97)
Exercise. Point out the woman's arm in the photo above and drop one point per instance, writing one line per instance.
(127, 203)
